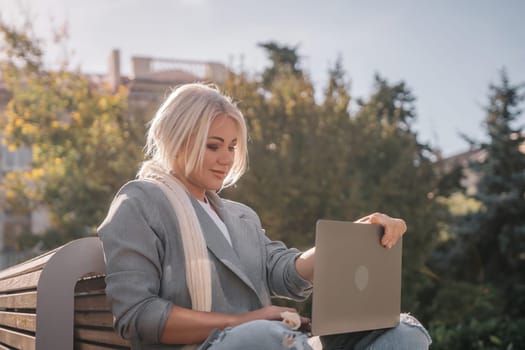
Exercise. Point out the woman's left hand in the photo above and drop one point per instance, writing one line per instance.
(394, 228)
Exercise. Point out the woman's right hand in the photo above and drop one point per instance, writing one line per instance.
(186, 326)
(272, 312)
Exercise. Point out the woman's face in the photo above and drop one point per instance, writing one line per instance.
(218, 158)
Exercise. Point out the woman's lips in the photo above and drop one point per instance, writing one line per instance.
(219, 173)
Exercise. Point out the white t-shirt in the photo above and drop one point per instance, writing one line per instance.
(216, 219)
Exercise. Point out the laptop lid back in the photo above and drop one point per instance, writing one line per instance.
(357, 282)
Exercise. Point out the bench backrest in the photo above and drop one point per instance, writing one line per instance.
(57, 301)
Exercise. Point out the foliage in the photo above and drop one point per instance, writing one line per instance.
(312, 160)
(450, 182)
(456, 301)
(282, 124)
(453, 258)
(490, 334)
(82, 144)
(495, 234)
(393, 173)
(284, 60)
(478, 301)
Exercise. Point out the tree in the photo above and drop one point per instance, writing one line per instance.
(495, 234)
(283, 59)
(392, 172)
(83, 145)
(312, 160)
(282, 120)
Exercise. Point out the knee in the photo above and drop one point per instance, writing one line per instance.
(409, 334)
(412, 333)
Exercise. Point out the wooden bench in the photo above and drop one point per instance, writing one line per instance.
(57, 301)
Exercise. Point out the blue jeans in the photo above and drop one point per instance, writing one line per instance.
(275, 335)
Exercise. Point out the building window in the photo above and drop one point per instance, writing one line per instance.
(14, 160)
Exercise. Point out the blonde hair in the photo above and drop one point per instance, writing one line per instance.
(181, 126)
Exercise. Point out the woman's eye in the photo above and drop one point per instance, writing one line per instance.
(214, 147)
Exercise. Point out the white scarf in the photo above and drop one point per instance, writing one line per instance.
(197, 263)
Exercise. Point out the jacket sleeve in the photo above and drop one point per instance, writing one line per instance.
(282, 277)
(133, 253)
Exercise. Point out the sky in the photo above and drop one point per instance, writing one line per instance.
(446, 51)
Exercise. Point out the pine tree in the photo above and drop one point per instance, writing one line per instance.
(496, 233)
(284, 59)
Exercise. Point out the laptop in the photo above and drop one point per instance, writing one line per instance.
(357, 281)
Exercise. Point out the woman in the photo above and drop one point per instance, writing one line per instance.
(186, 268)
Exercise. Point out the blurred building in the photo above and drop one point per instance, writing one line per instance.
(462, 160)
(148, 82)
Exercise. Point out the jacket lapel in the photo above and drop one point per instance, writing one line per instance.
(216, 241)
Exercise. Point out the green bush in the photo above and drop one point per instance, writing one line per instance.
(492, 334)
(456, 301)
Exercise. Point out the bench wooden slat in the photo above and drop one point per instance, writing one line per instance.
(18, 320)
(28, 266)
(17, 340)
(96, 302)
(90, 284)
(99, 319)
(100, 336)
(80, 345)
(21, 282)
(18, 301)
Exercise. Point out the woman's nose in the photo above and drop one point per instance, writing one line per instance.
(226, 158)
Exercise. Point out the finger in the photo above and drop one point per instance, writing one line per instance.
(380, 218)
(383, 220)
(390, 235)
(393, 233)
(387, 243)
(364, 219)
(291, 309)
(387, 238)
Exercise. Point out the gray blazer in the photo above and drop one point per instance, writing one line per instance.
(145, 262)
